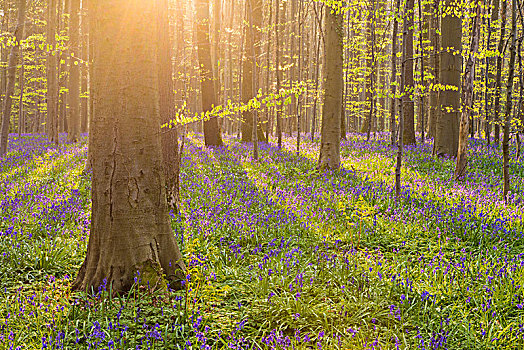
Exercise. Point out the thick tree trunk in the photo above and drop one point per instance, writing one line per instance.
(208, 93)
(408, 107)
(14, 56)
(74, 70)
(446, 142)
(334, 66)
(467, 103)
(130, 226)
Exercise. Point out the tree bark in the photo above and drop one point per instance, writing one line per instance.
(279, 104)
(509, 101)
(130, 225)
(52, 79)
(498, 78)
(334, 66)
(14, 56)
(209, 96)
(467, 102)
(167, 107)
(434, 69)
(393, 82)
(446, 142)
(490, 81)
(74, 71)
(408, 107)
(249, 69)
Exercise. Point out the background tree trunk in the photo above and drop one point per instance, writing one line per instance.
(74, 79)
(467, 102)
(14, 56)
(434, 68)
(252, 50)
(208, 93)
(408, 107)
(167, 108)
(509, 101)
(52, 79)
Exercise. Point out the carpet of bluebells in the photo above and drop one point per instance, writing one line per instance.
(279, 255)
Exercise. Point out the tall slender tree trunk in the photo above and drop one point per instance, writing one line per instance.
(130, 225)
(334, 68)
(269, 115)
(52, 79)
(170, 154)
(408, 107)
(393, 82)
(467, 103)
(209, 96)
(400, 141)
(249, 71)
(84, 68)
(21, 110)
(279, 104)
(447, 128)
(422, 107)
(434, 68)
(509, 101)
(498, 78)
(74, 71)
(14, 56)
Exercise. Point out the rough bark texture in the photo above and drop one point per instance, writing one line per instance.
(278, 72)
(209, 95)
(334, 86)
(498, 78)
(434, 68)
(52, 79)
(509, 102)
(74, 71)
(490, 83)
(252, 47)
(467, 103)
(167, 108)
(408, 107)
(84, 68)
(14, 56)
(393, 83)
(446, 142)
(130, 226)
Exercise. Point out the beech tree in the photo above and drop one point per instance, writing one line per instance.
(447, 126)
(209, 94)
(11, 77)
(249, 68)
(74, 79)
(330, 132)
(52, 79)
(130, 225)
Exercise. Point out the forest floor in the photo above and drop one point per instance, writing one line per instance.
(280, 256)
